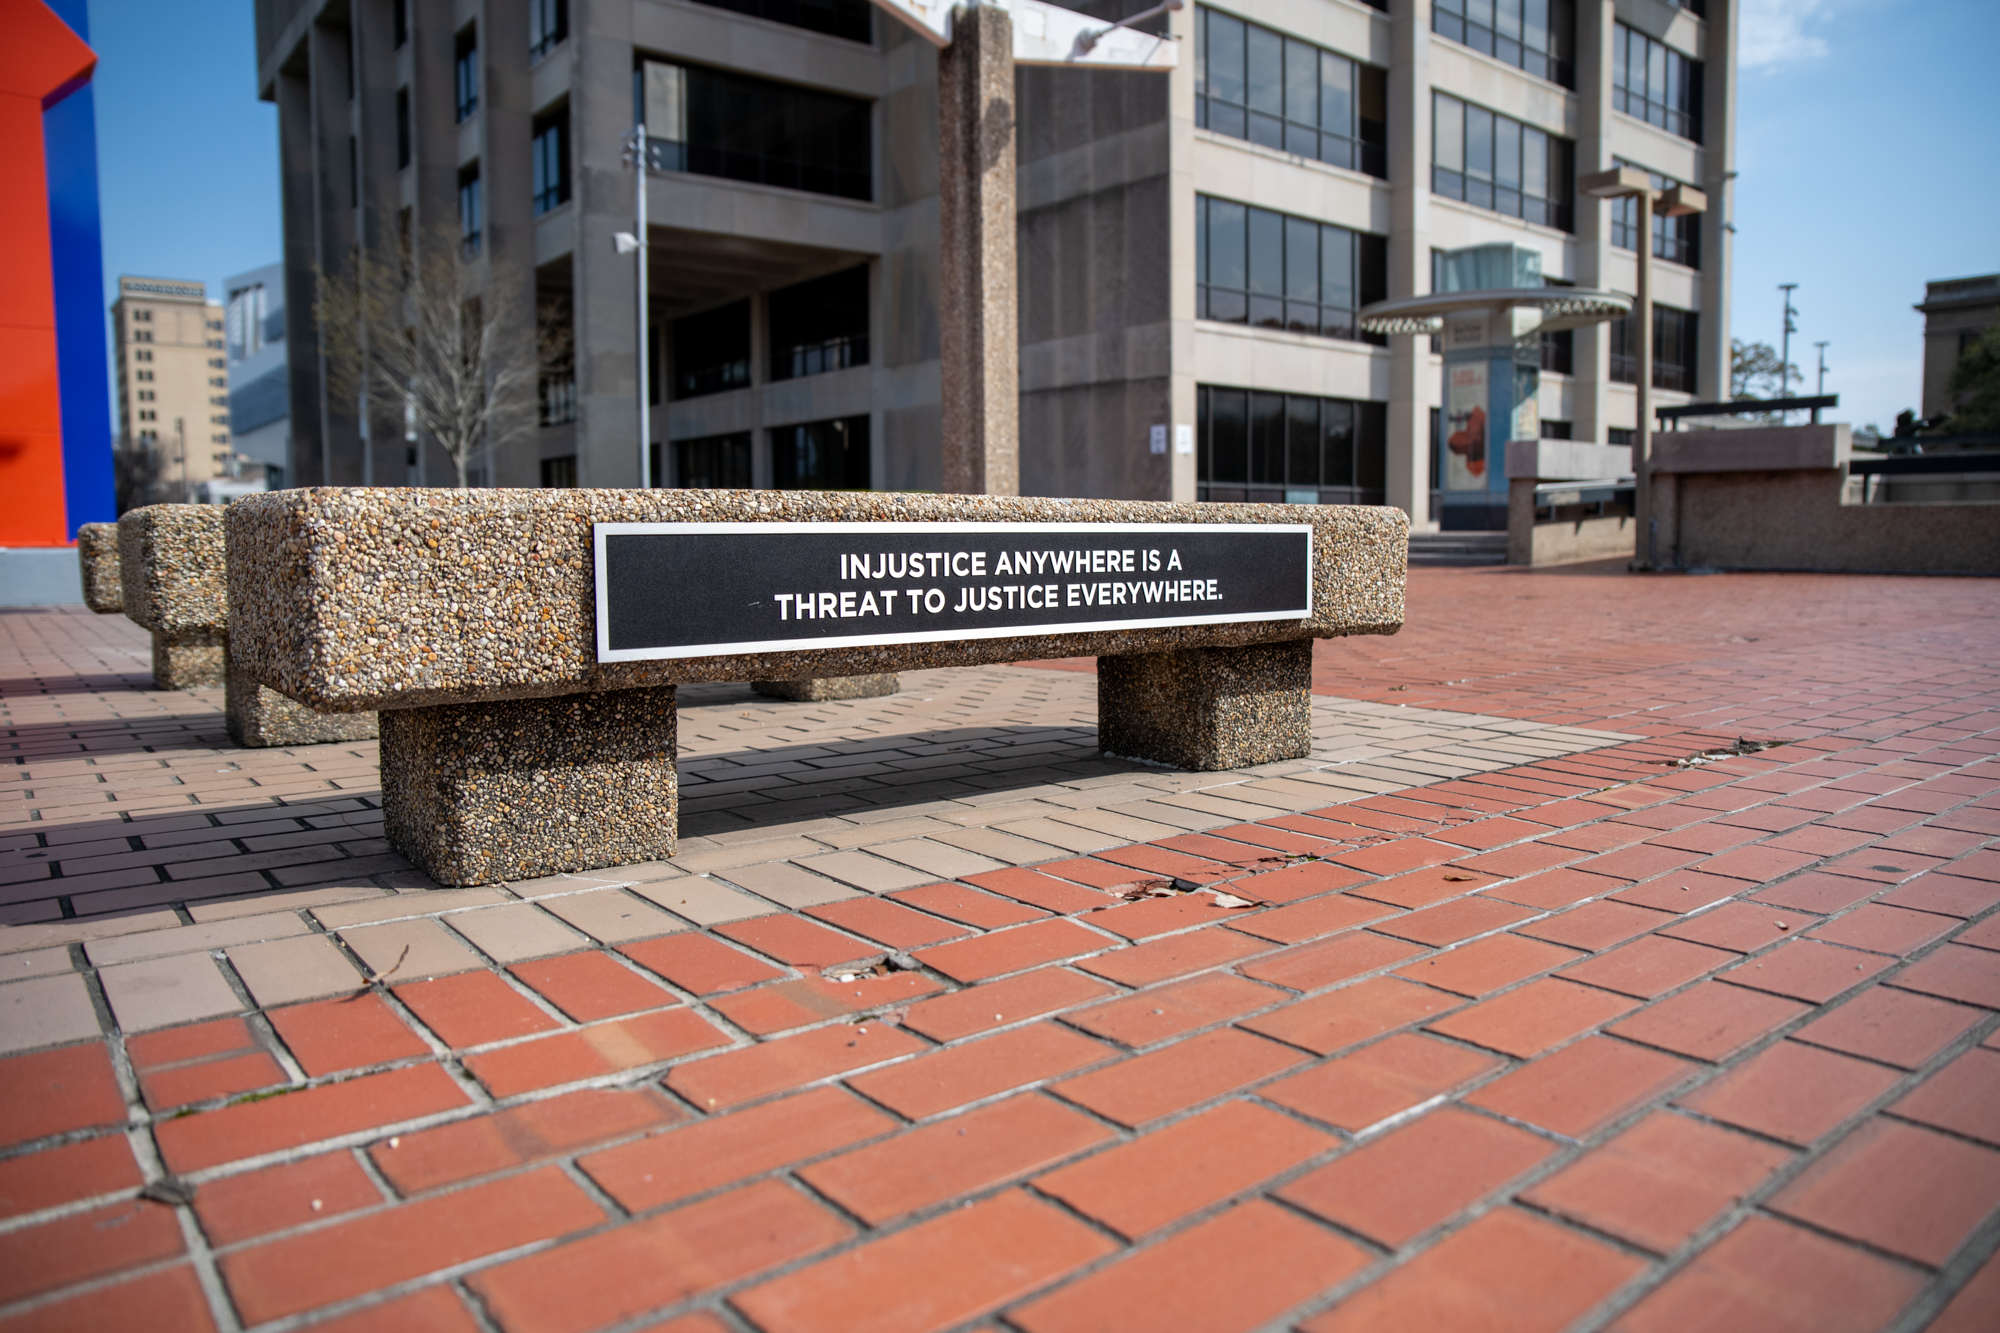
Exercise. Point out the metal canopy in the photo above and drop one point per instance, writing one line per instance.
(1560, 307)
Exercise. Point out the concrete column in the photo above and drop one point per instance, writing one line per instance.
(476, 793)
(1411, 374)
(1591, 367)
(328, 56)
(505, 165)
(306, 465)
(374, 39)
(1208, 709)
(607, 341)
(1718, 114)
(977, 312)
(433, 166)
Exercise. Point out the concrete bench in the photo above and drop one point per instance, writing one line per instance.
(171, 567)
(97, 561)
(526, 686)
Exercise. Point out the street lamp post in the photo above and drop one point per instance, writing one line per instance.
(1675, 201)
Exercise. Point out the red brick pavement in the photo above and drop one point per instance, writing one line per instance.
(1595, 1042)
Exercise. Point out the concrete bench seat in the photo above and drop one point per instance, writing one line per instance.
(170, 567)
(510, 750)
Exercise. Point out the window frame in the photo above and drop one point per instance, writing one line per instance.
(1271, 293)
(465, 73)
(549, 151)
(1236, 104)
(1677, 109)
(1478, 180)
(1553, 61)
(1289, 444)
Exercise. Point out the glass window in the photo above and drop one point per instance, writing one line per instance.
(401, 22)
(821, 456)
(1275, 271)
(1538, 36)
(465, 68)
(1677, 239)
(1257, 84)
(551, 160)
(713, 462)
(715, 123)
(836, 18)
(471, 209)
(402, 128)
(1491, 161)
(820, 325)
(548, 25)
(1676, 342)
(712, 351)
(1263, 447)
(559, 472)
(1655, 83)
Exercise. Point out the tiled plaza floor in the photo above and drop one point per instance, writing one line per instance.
(1488, 1015)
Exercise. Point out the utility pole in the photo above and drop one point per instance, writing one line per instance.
(1820, 388)
(1785, 351)
(638, 155)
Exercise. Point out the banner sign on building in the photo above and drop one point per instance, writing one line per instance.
(1466, 427)
(668, 590)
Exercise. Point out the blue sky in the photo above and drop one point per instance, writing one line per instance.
(1865, 142)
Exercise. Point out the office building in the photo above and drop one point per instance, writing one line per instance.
(173, 385)
(260, 411)
(1956, 312)
(1193, 245)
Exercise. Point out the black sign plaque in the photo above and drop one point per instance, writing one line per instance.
(712, 589)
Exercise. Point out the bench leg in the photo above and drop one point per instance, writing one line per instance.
(189, 661)
(476, 793)
(1208, 709)
(259, 716)
(824, 688)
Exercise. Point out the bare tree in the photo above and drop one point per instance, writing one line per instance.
(409, 334)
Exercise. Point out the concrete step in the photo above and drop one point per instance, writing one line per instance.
(1458, 548)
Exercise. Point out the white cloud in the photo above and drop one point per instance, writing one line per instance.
(1779, 32)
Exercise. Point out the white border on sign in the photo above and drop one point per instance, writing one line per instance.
(605, 653)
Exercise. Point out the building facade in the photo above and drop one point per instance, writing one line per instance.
(260, 409)
(173, 385)
(1193, 246)
(1956, 312)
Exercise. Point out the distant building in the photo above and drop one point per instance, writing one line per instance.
(1956, 311)
(173, 389)
(260, 412)
(1193, 245)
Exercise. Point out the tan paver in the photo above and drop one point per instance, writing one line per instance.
(788, 885)
(36, 963)
(706, 902)
(612, 915)
(161, 992)
(282, 900)
(928, 860)
(191, 939)
(515, 932)
(45, 1011)
(433, 950)
(306, 967)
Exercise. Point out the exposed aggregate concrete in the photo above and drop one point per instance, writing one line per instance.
(97, 557)
(353, 598)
